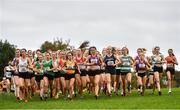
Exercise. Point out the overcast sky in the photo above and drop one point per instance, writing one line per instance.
(131, 23)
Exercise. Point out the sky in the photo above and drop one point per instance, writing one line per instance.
(131, 23)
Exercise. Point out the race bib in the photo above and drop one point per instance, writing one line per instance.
(170, 65)
(109, 63)
(126, 63)
(82, 67)
(142, 65)
(23, 69)
(94, 61)
(70, 67)
(8, 74)
(55, 70)
(30, 71)
(157, 60)
(47, 68)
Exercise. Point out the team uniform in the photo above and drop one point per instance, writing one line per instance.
(23, 69)
(157, 62)
(70, 70)
(126, 65)
(141, 67)
(109, 61)
(170, 65)
(61, 64)
(39, 75)
(47, 65)
(80, 62)
(94, 69)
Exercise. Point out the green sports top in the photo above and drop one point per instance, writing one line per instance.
(47, 65)
(126, 63)
(38, 66)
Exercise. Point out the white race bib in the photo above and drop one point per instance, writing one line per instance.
(94, 61)
(142, 65)
(82, 67)
(170, 65)
(110, 63)
(126, 64)
(23, 69)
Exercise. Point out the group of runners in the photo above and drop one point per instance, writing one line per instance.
(69, 73)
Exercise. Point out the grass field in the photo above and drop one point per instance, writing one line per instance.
(134, 101)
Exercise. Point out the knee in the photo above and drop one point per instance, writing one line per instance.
(53, 86)
(95, 83)
(140, 83)
(79, 83)
(129, 81)
(29, 85)
(67, 87)
(64, 86)
(21, 87)
(46, 85)
(71, 87)
(83, 84)
(157, 81)
(41, 86)
(108, 81)
(17, 86)
(169, 79)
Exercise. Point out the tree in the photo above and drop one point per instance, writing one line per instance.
(84, 45)
(57, 44)
(7, 53)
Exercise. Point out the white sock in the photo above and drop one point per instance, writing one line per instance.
(169, 90)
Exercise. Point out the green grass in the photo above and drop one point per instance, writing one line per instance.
(149, 101)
